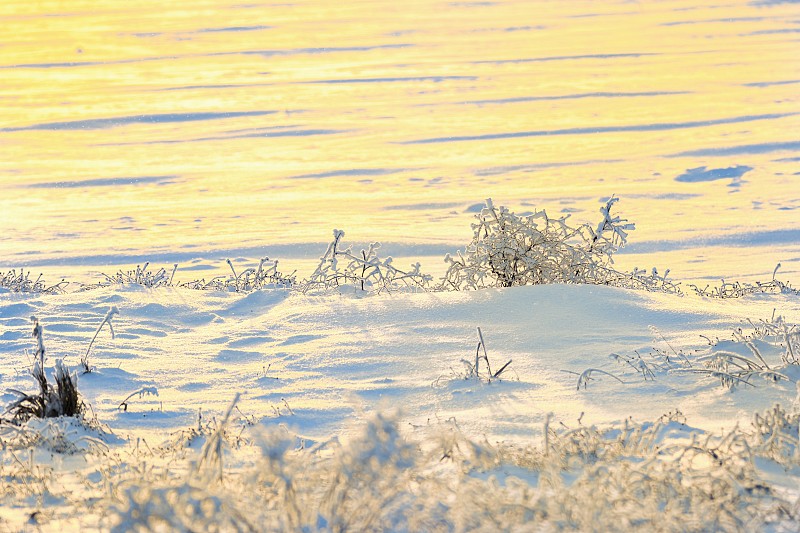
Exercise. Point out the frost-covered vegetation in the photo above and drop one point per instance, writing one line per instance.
(662, 475)
(479, 368)
(365, 271)
(117, 450)
(59, 398)
(21, 282)
(264, 276)
(138, 276)
(736, 289)
(768, 352)
(506, 250)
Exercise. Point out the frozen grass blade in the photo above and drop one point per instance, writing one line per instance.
(144, 391)
(212, 452)
(586, 376)
(113, 310)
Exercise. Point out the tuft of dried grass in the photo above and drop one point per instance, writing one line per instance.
(59, 398)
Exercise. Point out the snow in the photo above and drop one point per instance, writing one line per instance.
(205, 144)
(322, 367)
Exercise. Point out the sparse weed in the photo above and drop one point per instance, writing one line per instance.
(777, 331)
(21, 282)
(139, 276)
(737, 289)
(642, 280)
(734, 368)
(733, 362)
(264, 276)
(141, 393)
(113, 310)
(365, 271)
(586, 376)
(472, 368)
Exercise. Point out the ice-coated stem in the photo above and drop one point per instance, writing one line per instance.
(113, 310)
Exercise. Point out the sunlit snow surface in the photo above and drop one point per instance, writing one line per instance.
(333, 357)
(153, 131)
(159, 131)
(322, 366)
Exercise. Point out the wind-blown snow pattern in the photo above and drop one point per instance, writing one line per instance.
(169, 180)
(200, 131)
(316, 370)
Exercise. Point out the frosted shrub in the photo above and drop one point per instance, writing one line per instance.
(340, 267)
(509, 250)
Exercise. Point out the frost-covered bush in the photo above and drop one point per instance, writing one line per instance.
(22, 282)
(340, 267)
(264, 276)
(509, 250)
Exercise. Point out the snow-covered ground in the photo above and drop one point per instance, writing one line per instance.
(153, 131)
(314, 372)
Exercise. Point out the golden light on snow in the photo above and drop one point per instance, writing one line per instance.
(278, 123)
(175, 163)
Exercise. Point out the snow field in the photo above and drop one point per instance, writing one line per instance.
(364, 397)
